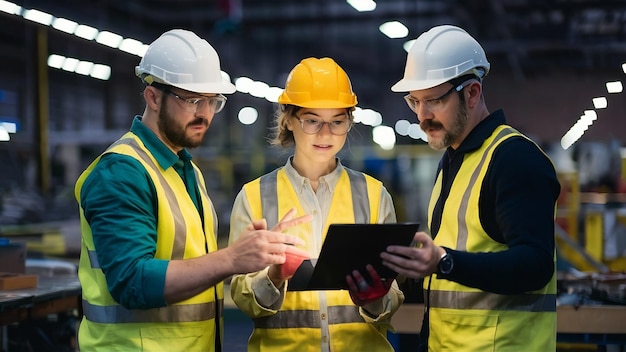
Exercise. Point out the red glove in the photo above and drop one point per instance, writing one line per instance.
(362, 293)
(294, 257)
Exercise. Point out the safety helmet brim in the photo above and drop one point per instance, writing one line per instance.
(224, 87)
(407, 85)
(322, 104)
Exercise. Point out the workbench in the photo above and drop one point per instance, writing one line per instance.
(53, 295)
(590, 324)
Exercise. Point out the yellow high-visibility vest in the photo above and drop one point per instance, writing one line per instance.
(189, 325)
(467, 319)
(298, 325)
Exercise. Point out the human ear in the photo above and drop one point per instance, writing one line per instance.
(151, 97)
(473, 94)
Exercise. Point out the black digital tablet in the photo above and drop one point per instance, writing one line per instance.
(348, 247)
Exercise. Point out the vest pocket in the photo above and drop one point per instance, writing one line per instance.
(171, 339)
(466, 331)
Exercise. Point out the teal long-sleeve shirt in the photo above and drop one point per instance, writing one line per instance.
(119, 201)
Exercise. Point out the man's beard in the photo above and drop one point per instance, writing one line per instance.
(450, 136)
(170, 128)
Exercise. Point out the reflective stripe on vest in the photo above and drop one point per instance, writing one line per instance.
(463, 232)
(180, 235)
(530, 302)
(93, 259)
(179, 232)
(169, 314)
(358, 185)
(206, 195)
(491, 301)
(174, 313)
(285, 319)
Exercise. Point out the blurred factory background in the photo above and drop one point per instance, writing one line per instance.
(67, 90)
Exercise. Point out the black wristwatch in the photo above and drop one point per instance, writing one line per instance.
(446, 264)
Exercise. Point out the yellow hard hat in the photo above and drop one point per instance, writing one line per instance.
(318, 83)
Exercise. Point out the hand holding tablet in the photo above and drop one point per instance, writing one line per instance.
(349, 247)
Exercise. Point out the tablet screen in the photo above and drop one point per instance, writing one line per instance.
(352, 246)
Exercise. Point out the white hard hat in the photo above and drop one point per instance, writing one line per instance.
(182, 59)
(439, 55)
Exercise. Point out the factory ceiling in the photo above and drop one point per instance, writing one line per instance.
(525, 35)
(264, 39)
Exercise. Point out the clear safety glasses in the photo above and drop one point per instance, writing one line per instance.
(337, 127)
(434, 105)
(215, 104)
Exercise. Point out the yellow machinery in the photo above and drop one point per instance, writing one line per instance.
(591, 230)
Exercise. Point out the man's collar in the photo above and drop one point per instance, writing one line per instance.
(163, 155)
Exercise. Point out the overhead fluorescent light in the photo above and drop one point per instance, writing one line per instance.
(143, 50)
(248, 115)
(10, 127)
(579, 128)
(243, 84)
(599, 103)
(588, 117)
(84, 68)
(38, 16)
(362, 5)
(416, 132)
(100, 71)
(273, 93)
(368, 117)
(402, 127)
(109, 39)
(86, 32)
(259, 89)
(394, 29)
(69, 64)
(10, 8)
(56, 61)
(4, 135)
(131, 46)
(64, 25)
(614, 87)
(384, 136)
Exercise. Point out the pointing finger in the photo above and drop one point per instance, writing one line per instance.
(286, 224)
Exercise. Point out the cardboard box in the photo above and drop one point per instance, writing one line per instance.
(13, 257)
(13, 281)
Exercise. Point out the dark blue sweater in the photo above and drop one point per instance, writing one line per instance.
(516, 207)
